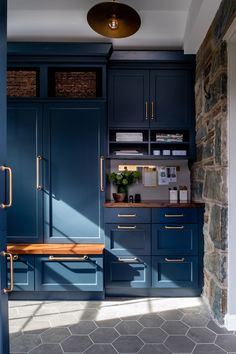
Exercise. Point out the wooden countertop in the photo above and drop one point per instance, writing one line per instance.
(56, 248)
(154, 204)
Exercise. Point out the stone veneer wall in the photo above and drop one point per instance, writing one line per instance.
(209, 172)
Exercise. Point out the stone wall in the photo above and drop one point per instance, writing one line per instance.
(209, 172)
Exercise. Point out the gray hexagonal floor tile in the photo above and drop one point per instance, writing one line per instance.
(172, 315)
(151, 320)
(175, 327)
(104, 335)
(154, 349)
(55, 335)
(152, 335)
(218, 330)
(179, 344)
(76, 344)
(208, 349)
(83, 327)
(201, 335)
(226, 342)
(129, 327)
(47, 349)
(128, 344)
(108, 323)
(195, 320)
(25, 343)
(101, 349)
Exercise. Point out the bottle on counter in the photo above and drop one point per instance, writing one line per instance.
(183, 194)
(173, 194)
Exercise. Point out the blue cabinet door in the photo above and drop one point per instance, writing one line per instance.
(171, 95)
(127, 271)
(128, 239)
(74, 138)
(24, 145)
(128, 98)
(175, 272)
(174, 239)
(23, 273)
(69, 273)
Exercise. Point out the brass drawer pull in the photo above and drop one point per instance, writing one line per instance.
(38, 185)
(146, 110)
(128, 260)
(101, 174)
(9, 204)
(10, 256)
(52, 258)
(127, 215)
(174, 227)
(177, 260)
(15, 257)
(152, 110)
(126, 227)
(174, 215)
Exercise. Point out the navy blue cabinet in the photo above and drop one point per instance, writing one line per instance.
(24, 145)
(127, 215)
(23, 272)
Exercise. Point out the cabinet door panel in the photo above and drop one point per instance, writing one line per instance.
(23, 273)
(128, 93)
(73, 200)
(24, 133)
(172, 96)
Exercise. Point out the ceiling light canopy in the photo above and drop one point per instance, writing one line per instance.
(113, 19)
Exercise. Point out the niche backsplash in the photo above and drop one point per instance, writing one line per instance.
(159, 192)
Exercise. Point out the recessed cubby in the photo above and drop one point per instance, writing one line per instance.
(22, 82)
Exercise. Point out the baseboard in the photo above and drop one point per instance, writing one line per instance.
(230, 322)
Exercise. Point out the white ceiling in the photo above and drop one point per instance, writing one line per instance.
(163, 22)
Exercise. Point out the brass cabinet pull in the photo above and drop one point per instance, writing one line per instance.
(52, 258)
(15, 257)
(38, 185)
(146, 109)
(174, 215)
(10, 257)
(126, 227)
(128, 260)
(9, 204)
(173, 260)
(152, 110)
(127, 215)
(101, 174)
(174, 227)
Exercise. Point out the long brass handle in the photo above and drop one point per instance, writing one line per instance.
(126, 227)
(174, 215)
(173, 260)
(101, 174)
(152, 110)
(9, 204)
(38, 185)
(174, 227)
(127, 215)
(52, 258)
(146, 109)
(10, 256)
(133, 259)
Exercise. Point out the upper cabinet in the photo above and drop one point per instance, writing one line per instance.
(150, 98)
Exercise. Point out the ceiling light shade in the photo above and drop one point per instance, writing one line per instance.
(114, 20)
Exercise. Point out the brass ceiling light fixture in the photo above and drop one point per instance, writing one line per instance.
(113, 19)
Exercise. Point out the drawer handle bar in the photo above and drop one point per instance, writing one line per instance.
(177, 260)
(10, 257)
(174, 215)
(9, 204)
(127, 215)
(38, 185)
(146, 110)
(152, 109)
(101, 174)
(133, 259)
(174, 227)
(126, 227)
(52, 258)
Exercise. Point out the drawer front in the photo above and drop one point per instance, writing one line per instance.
(128, 239)
(23, 273)
(127, 215)
(175, 215)
(62, 273)
(128, 272)
(174, 239)
(175, 272)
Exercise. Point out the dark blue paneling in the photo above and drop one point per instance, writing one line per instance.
(23, 273)
(127, 271)
(175, 215)
(128, 239)
(152, 56)
(175, 272)
(127, 215)
(24, 133)
(69, 275)
(74, 143)
(175, 239)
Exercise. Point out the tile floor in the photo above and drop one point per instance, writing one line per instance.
(144, 326)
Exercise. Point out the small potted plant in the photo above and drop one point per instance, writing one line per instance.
(122, 180)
